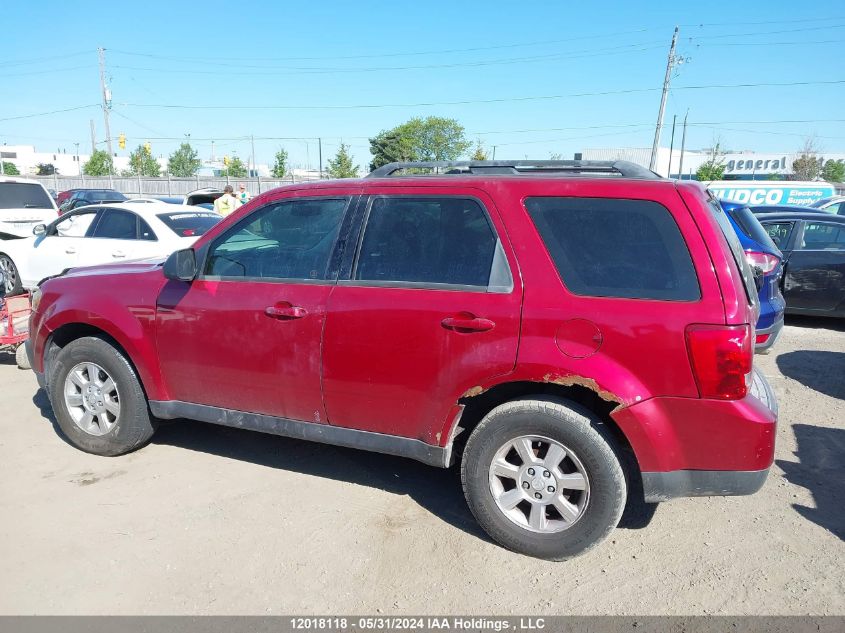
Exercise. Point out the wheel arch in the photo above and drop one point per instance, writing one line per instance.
(476, 406)
(72, 331)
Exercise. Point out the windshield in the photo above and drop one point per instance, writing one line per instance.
(99, 196)
(189, 224)
(751, 227)
(24, 195)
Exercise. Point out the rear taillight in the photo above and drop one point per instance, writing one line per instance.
(765, 262)
(721, 356)
(762, 338)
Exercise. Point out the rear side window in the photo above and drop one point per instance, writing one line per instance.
(751, 226)
(24, 195)
(427, 241)
(607, 247)
(779, 232)
(190, 224)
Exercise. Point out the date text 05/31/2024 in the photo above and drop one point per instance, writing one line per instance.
(399, 623)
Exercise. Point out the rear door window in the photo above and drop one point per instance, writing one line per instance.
(607, 247)
(819, 236)
(428, 241)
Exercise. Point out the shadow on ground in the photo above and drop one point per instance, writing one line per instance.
(819, 370)
(437, 490)
(816, 323)
(821, 462)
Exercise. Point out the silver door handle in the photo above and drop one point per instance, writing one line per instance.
(70, 250)
(118, 254)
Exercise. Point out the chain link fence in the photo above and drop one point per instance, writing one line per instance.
(164, 186)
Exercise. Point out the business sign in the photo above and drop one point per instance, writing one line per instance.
(765, 164)
(756, 192)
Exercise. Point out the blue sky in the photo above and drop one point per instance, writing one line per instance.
(328, 53)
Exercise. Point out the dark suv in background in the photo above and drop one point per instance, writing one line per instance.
(82, 197)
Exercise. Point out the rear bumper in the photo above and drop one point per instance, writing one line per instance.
(773, 332)
(702, 483)
(701, 447)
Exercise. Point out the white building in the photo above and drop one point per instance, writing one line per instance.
(745, 165)
(26, 159)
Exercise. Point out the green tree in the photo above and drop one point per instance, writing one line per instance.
(341, 166)
(236, 168)
(833, 171)
(184, 162)
(807, 166)
(432, 138)
(480, 152)
(714, 167)
(46, 169)
(10, 169)
(100, 164)
(142, 163)
(280, 164)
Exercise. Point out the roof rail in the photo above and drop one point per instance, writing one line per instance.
(463, 167)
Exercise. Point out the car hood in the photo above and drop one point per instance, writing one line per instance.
(138, 266)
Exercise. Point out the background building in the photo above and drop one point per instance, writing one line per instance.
(745, 165)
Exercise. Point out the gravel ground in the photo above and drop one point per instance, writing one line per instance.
(210, 520)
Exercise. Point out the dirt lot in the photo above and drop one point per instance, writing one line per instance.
(209, 520)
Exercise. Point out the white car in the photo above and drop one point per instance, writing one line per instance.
(23, 204)
(99, 234)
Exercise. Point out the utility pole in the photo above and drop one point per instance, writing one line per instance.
(320, 151)
(683, 143)
(93, 138)
(78, 165)
(252, 142)
(671, 147)
(101, 52)
(212, 150)
(670, 63)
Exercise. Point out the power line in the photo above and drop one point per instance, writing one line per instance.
(474, 101)
(811, 28)
(40, 60)
(37, 114)
(304, 70)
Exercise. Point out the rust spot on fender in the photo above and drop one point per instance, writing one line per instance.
(473, 391)
(581, 381)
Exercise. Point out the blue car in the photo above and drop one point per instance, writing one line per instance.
(767, 262)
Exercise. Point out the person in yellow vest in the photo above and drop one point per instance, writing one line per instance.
(226, 203)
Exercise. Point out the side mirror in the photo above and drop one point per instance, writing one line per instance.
(181, 265)
(39, 229)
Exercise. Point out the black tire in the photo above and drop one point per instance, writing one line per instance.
(577, 429)
(133, 426)
(8, 266)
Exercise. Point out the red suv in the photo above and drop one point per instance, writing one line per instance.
(570, 332)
